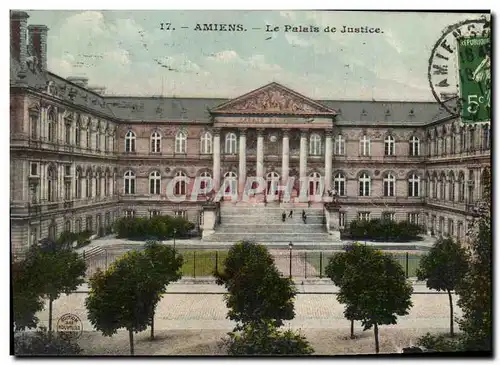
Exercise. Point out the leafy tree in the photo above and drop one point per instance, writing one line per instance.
(121, 297)
(50, 269)
(256, 290)
(254, 341)
(335, 271)
(439, 343)
(379, 290)
(165, 268)
(26, 297)
(40, 343)
(443, 267)
(475, 290)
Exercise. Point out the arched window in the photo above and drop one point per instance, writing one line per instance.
(180, 142)
(109, 183)
(435, 187)
(451, 186)
(463, 139)
(88, 183)
(106, 183)
(205, 176)
(67, 226)
(230, 146)
(231, 182)
(314, 181)
(472, 144)
(154, 182)
(180, 187)
(339, 184)
(486, 137)
(471, 186)
(98, 184)
(340, 145)
(272, 178)
(206, 143)
(52, 231)
(78, 177)
(51, 124)
(315, 145)
(389, 184)
(130, 142)
(52, 184)
(414, 146)
(389, 146)
(77, 133)
(155, 142)
(364, 145)
(442, 186)
(364, 185)
(414, 186)
(129, 180)
(461, 187)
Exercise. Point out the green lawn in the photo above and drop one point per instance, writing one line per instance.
(201, 262)
(318, 261)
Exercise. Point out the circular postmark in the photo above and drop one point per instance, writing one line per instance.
(459, 69)
(69, 326)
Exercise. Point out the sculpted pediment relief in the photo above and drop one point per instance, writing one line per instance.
(274, 99)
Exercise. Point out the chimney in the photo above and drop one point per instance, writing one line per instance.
(18, 46)
(38, 44)
(81, 81)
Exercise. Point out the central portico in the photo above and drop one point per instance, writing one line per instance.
(273, 133)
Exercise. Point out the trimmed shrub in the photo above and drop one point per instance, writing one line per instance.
(383, 230)
(160, 227)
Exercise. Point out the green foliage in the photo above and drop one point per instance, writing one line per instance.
(475, 290)
(118, 298)
(256, 290)
(439, 343)
(49, 269)
(159, 227)
(26, 297)
(39, 343)
(266, 339)
(67, 238)
(444, 266)
(126, 295)
(372, 285)
(383, 230)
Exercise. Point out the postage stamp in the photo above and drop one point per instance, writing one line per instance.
(149, 149)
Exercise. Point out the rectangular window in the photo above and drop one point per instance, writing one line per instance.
(67, 170)
(341, 220)
(34, 169)
(67, 190)
(181, 213)
(364, 216)
(88, 139)
(68, 134)
(98, 141)
(413, 218)
(388, 216)
(340, 145)
(129, 213)
(154, 213)
(34, 126)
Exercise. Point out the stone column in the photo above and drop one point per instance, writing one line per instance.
(328, 160)
(243, 160)
(303, 165)
(285, 164)
(260, 153)
(216, 160)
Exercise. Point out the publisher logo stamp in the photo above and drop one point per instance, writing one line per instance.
(459, 70)
(69, 326)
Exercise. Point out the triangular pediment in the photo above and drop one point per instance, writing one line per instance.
(273, 99)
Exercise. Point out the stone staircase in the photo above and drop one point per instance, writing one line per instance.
(264, 224)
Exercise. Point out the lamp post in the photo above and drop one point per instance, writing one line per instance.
(290, 246)
(175, 232)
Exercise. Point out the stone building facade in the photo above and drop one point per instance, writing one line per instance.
(80, 159)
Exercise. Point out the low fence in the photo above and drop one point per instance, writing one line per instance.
(203, 263)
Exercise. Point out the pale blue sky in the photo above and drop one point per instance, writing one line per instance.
(122, 51)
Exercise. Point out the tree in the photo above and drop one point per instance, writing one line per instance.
(254, 341)
(50, 269)
(26, 297)
(165, 268)
(443, 267)
(335, 271)
(121, 296)
(379, 290)
(256, 290)
(475, 290)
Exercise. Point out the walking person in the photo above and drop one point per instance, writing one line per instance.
(290, 215)
(304, 217)
(283, 216)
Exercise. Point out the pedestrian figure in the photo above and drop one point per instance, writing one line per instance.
(291, 214)
(283, 216)
(304, 217)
